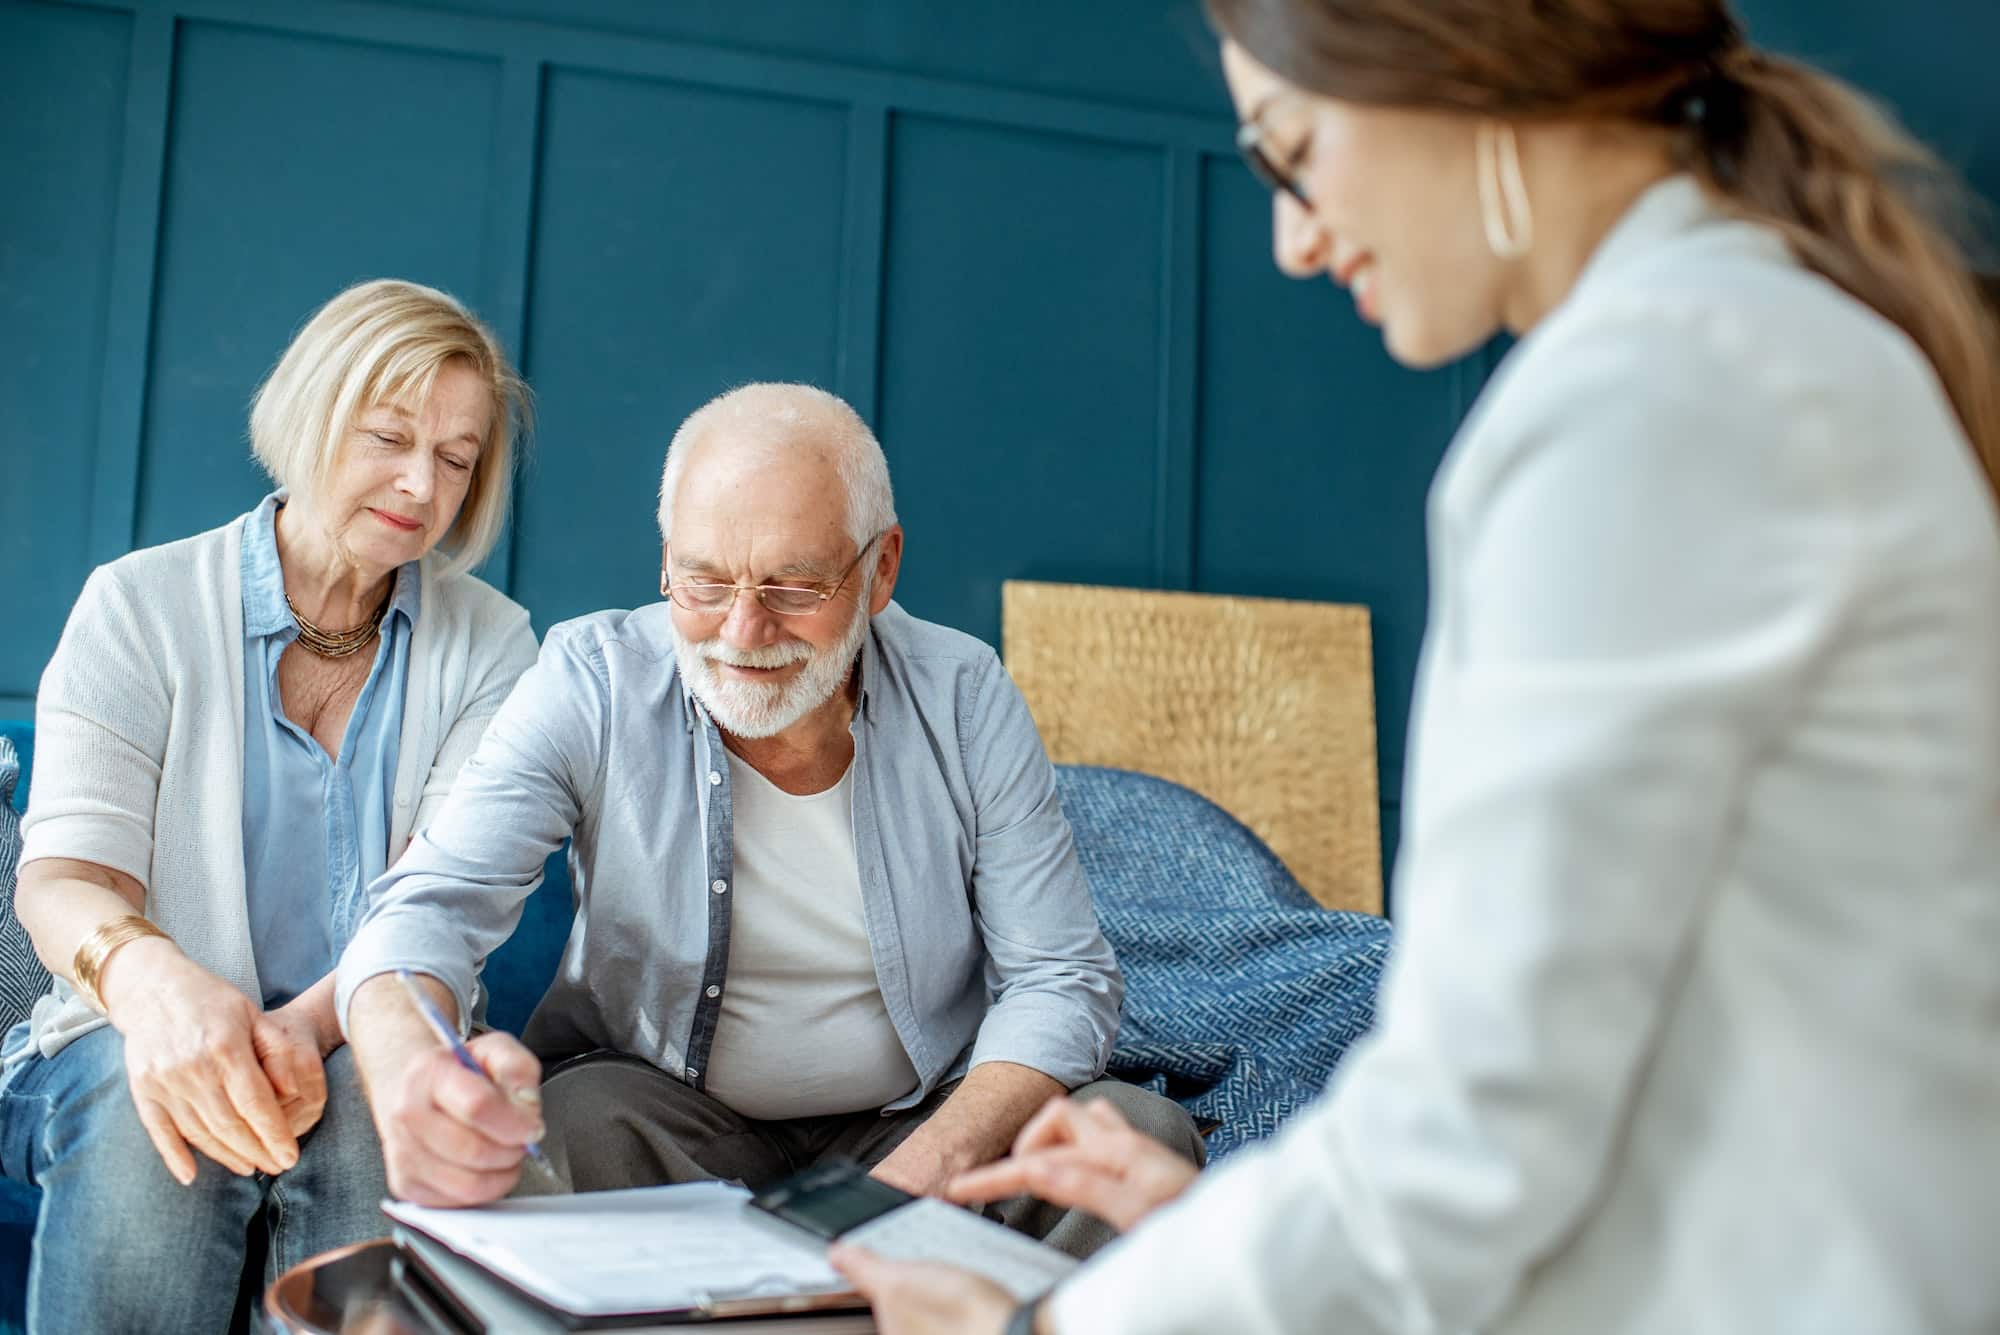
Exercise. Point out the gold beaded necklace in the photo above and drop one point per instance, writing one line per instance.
(337, 643)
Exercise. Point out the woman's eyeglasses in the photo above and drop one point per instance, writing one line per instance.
(1276, 175)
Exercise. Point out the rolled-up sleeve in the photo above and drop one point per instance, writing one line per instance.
(1055, 982)
(456, 894)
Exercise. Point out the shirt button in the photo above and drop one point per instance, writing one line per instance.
(719, 886)
(693, 1074)
(714, 991)
(714, 777)
(403, 800)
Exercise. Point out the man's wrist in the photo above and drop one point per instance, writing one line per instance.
(384, 1029)
(953, 1159)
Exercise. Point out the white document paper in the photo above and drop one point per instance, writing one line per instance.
(651, 1249)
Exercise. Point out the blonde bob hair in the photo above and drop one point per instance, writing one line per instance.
(385, 342)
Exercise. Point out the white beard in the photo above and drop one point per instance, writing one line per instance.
(753, 709)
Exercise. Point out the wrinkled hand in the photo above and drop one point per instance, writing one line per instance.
(1081, 1154)
(292, 1051)
(192, 1059)
(915, 1167)
(923, 1297)
(450, 1137)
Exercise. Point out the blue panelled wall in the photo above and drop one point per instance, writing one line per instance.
(1012, 234)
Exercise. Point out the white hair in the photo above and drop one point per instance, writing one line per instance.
(780, 416)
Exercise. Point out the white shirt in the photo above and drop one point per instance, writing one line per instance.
(1693, 1022)
(803, 1030)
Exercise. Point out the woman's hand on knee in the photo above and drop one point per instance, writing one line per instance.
(1081, 1154)
(288, 1047)
(192, 1063)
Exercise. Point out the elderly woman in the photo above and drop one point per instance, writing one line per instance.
(238, 732)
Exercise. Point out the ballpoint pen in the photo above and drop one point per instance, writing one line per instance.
(448, 1035)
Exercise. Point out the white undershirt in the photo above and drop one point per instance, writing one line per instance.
(803, 1030)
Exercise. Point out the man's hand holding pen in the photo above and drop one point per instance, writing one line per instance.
(456, 1120)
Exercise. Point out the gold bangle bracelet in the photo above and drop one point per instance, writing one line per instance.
(98, 947)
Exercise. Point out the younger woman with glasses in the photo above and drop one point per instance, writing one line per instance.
(1694, 1023)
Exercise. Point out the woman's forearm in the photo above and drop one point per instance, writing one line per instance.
(63, 902)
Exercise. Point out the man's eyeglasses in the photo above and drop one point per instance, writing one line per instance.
(785, 600)
(1276, 175)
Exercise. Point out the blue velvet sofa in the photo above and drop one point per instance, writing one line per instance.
(1241, 992)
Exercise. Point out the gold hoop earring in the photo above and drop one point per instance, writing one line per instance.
(1503, 192)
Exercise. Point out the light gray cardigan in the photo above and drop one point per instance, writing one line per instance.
(139, 739)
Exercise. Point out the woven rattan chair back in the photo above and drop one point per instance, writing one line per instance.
(1266, 707)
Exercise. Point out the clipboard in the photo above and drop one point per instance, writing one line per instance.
(651, 1258)
(459, 1297)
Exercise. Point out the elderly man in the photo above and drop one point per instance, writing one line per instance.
(827, 901)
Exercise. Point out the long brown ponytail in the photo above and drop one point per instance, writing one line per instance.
(1773, 140)
(1838, 178)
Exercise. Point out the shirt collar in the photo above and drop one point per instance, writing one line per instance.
(864, 672)
(265, 611)
(1663, 210)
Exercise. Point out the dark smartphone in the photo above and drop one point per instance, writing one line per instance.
(830, 1198)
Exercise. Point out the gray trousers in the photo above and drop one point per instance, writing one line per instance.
(618, 1121)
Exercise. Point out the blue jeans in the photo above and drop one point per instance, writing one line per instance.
(120, 1245)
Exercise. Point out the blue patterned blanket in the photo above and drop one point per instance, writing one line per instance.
(1242, 993)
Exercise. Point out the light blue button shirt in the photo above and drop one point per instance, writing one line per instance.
(315, 828)
(985, 943)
